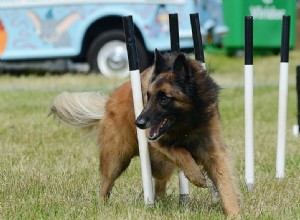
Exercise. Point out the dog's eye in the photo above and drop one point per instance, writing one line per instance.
(163, 98)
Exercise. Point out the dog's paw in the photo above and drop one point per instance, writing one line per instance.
(198, 180)
(201, 182)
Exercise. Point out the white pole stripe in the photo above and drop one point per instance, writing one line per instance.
(249, 136)
(282, 112)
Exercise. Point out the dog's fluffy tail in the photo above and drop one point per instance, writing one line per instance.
(79, 109)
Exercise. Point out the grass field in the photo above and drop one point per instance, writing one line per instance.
(49, 171)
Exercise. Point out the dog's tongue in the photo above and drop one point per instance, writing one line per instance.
(155, 131)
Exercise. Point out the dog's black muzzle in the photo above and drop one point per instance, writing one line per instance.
(141, 122)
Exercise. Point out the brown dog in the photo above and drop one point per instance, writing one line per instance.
(182, 120)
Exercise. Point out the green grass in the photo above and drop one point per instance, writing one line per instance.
(50, 171)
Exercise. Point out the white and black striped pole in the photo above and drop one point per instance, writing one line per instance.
(199, 55)
(138, 107)
(248, 82)
(298, 96)
(197, 39)
(174, 32)
(283, 95)
(175, 47)
(296, 128)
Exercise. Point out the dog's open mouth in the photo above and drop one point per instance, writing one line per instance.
(160, 129)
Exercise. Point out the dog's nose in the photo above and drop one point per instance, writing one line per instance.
(140, 122)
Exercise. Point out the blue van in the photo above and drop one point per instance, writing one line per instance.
(89, 31)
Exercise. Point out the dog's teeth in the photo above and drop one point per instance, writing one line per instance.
(164, 122)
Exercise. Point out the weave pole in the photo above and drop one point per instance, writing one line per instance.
(248, 82)
(283, 95)
(174, 32)
(175, 47)
(296, 128)
(138, 107)
(298, 96)
(197, 39)
(199, 55)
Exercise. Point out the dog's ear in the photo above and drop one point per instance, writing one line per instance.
(159, 62)
(181, 67)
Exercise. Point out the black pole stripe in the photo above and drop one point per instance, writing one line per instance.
(174, 32)
(285, 38)
(130, 43)
(248, 40)
(197, 38)
(298, 93)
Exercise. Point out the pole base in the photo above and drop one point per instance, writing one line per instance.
(296, 130)
(279, 177)
(184, 199)
(250, 187)
(215, 196)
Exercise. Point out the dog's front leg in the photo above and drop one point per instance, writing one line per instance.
(184, 160)
(220, 172)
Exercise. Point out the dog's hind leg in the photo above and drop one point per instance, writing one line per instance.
(219, 170)
(113, 161)
(117, 148)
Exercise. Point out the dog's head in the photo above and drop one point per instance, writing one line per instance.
(169, 95)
